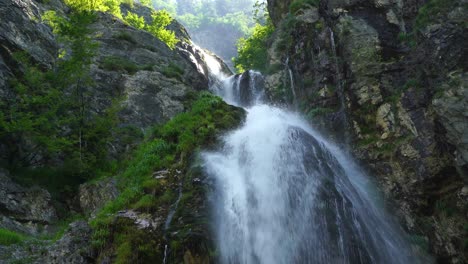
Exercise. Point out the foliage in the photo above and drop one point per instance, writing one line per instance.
(175, 140)
(134, 20)
(252, 50)
(173, 71)
(8, 237)
(319, 111)
(125, 36)
(285, 37)
(54, 139)
(157, 27)
(119, 64)
(296, 5)
(161, 19)
(432, 9)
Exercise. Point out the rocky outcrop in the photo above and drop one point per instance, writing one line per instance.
(384, 77)
(278, 9)
(72, 248)
(25, 210)
(452, 109)
(93, 196)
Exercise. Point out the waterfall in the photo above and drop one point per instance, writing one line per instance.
(284, 194)
(291, 82)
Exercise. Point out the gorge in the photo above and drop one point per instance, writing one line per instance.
(342, 138)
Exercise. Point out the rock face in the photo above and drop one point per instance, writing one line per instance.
(452, 109)
(277, 9)
(152, 84)
(150, 80)
(25, 210)
(72, 248)
(93, 196)
(390, 79)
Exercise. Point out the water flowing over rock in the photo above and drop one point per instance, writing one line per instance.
(284, 194)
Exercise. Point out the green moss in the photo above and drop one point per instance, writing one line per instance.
(173, 71)
(431, 10)
(296, 5)
(119, 64)
(125, 36)
(319, 111)
(8, 237)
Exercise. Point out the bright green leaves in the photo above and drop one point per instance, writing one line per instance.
(135, 21)
(161, 19)
(252, 50)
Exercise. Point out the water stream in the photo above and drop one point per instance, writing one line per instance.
(284, 194)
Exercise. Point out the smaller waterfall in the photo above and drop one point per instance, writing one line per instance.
(173, 210)
(167, 224)
(291, 82)
(344, 116)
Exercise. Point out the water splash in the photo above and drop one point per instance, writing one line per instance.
(284, 194)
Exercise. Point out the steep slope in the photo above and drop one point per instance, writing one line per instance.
(388, 78)
(84, 98)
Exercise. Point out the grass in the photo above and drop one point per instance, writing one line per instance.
(8, 237)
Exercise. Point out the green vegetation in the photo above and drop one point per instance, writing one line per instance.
(160, 19)
(319, 111)
(169, 147)
(125, 36)
(284, 35)
(296, 5)
(119, 64)
(173, 71)
(431, 10)
(8, 237)
(196, 15)
(134, 20)
(407, 38)
(252, 51)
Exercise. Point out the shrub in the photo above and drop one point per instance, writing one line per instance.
(431, 10)
(252, 52)
(119, 64)
(161, 19)
(125, 36)
(135, 20)
(173, 71)
(296, 5)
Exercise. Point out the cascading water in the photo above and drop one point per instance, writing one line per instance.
(286, 195)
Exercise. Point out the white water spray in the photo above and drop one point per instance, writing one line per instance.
(284, 194)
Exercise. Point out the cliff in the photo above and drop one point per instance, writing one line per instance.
(92, 171)
(387, 79)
